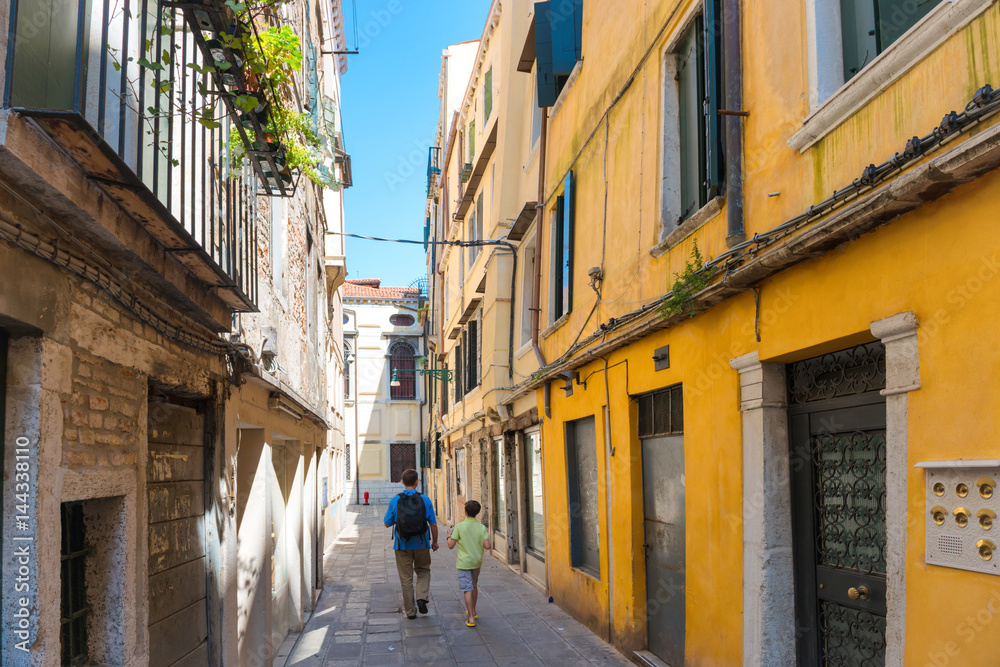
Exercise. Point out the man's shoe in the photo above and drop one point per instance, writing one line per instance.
(411, 617)
(422, 606)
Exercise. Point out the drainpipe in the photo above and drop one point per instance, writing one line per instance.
(609, 453)
(733, 63)
(536, 292)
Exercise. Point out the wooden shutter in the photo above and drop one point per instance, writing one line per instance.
(712, 45)
(558, 259)
(480, 223)
(545, 75)
(690, 93)
(472, 140)
(566, 17)
(479, 347)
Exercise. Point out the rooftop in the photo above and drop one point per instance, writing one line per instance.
(372, 288)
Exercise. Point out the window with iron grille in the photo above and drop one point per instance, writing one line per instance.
(347, 459)
(401, 370)
(661, 412)
(402, 457)
(74, 586)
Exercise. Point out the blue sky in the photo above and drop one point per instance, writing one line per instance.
(390, 109)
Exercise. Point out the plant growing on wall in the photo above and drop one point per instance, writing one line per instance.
(694, 278)
(266, 59)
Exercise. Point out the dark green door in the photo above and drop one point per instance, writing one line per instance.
(838, 463)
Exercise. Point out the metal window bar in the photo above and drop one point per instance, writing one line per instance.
(401, 367)
(73, 621)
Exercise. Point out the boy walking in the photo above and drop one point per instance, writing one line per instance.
(470, 536)
(411, 514)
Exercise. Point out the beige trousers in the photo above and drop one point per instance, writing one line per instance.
(408, 563)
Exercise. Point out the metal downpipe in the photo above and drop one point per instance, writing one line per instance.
(733, 65)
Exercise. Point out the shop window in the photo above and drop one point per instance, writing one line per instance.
(499, 490)
(460, 472)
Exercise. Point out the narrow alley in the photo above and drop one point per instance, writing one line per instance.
(358, 619)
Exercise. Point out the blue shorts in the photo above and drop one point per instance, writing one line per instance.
(468, 579)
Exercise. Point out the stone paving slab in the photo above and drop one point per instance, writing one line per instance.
(359, 620)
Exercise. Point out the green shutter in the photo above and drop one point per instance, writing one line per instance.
(566, 17)
(472, 140)
(690, 93)
(545, 75)
(487, 94)
(712, 58)
(857, 27)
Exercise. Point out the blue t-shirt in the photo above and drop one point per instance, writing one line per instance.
(406, 543)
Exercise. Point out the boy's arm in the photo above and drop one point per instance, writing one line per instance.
(487, 544)
(451, 542)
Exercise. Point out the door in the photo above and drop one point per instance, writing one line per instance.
(175, 483)
(838, 476)
(402, 457)
(661, 433)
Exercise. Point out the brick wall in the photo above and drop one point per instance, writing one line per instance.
(101, 414)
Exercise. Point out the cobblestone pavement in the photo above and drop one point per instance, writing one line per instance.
(359, 621)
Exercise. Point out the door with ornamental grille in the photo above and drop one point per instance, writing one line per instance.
(838, 465)
(402, 457)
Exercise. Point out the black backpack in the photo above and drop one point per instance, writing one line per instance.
(411, 515)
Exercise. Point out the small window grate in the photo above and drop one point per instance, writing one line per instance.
(662, 412)
(74, 586)
(347, 460)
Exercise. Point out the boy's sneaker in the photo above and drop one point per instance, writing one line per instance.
(422, 606)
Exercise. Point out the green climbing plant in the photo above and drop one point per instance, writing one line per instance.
(693, 279)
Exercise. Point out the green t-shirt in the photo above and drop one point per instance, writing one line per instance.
(470, 535)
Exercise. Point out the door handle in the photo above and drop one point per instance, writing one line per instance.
(859, 593)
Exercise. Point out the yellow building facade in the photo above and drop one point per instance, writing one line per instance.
(766, 393)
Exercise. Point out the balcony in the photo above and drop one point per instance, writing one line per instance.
(127, 96)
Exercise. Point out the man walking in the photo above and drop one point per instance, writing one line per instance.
(412, 515)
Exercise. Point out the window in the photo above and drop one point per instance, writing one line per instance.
(473, 235)
(438, 453)
(480, 218)
(527, 256)
(401, 320)
(561, 281)
(487, 94)
(693, 164)
(460, 472)
(584, 530)
(347, 460)
(535, 496)
(558, 45)
(348, 360)
(471, 359)
(311, 291)
(499, 493)
(402, 372)
(74, 586)
(459, 377)
(444, 392)
(661, 413)
(868, 27)
(402, 457)
(536, 115)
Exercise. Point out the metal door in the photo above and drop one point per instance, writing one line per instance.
(838, 501)
(663, 507)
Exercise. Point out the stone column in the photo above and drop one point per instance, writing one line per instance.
(902, 375)
(768, 593)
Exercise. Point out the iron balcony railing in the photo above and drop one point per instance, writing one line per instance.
(433, 168)
(120, 85)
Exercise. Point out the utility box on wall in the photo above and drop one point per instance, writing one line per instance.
(962, 508)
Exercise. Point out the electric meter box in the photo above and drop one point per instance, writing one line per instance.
(963, 504)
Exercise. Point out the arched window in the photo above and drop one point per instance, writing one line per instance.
(402, 377)
(348, 360)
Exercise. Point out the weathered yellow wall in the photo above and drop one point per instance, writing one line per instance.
(940, 261)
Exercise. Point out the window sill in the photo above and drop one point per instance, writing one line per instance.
(523, 350)
(688, 227)
(888, 67)
(588, 572)
(570, 81)
(555, 325)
